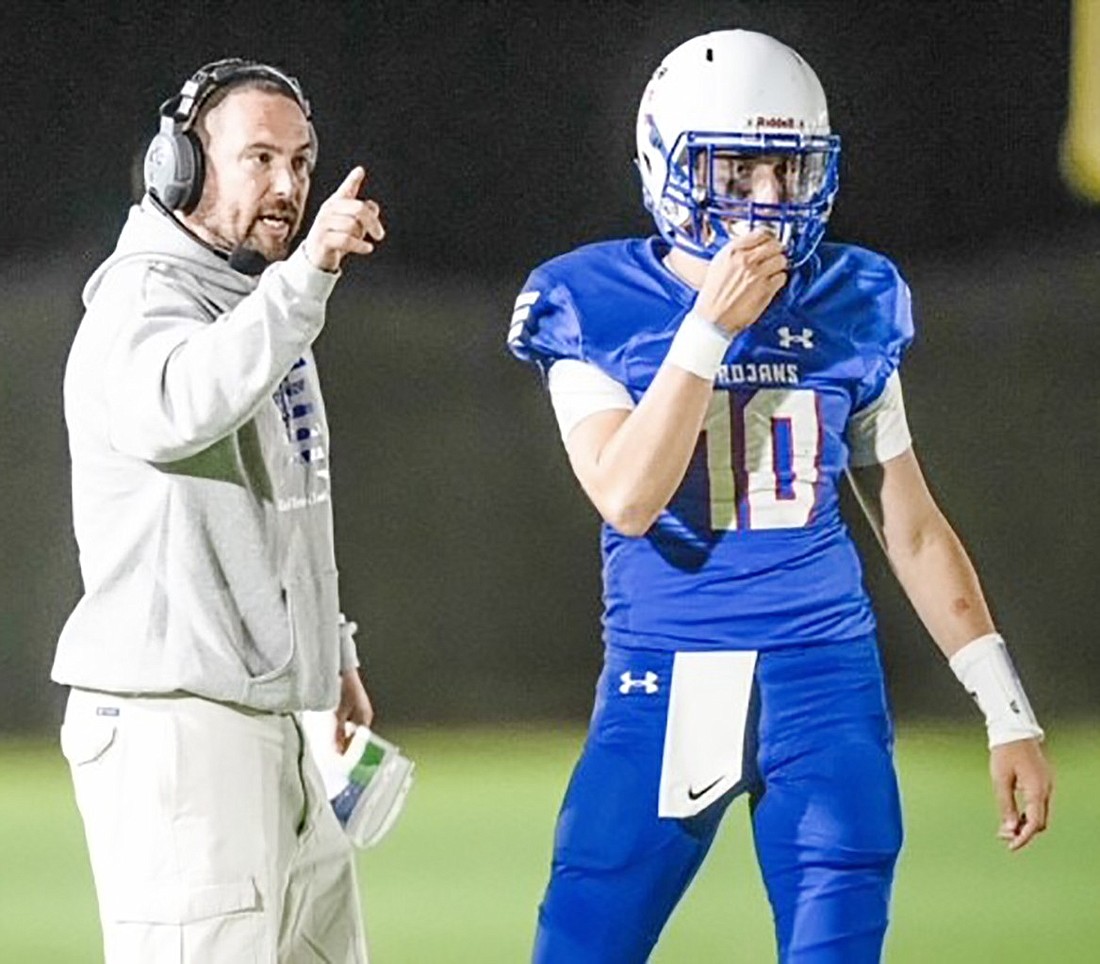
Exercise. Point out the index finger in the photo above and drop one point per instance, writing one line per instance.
(352, 183)
(756, 236)
(1004, 794)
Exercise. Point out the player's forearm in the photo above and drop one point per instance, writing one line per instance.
(632, 476)
(938, 577)
(924, 551)
(944, 589)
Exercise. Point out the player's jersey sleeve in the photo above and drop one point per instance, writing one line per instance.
(544, 327)
(880, 431)
(546, 331)
(579, 389)
(881, 339)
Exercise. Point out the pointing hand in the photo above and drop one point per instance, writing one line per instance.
(343, 224)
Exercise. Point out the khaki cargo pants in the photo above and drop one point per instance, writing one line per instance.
(210, 836)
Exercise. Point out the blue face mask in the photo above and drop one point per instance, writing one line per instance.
(710, 194)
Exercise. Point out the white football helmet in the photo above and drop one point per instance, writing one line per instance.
(725, 97)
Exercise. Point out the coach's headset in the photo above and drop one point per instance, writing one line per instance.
(174, 164)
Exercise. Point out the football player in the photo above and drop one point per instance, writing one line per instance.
(712, 385)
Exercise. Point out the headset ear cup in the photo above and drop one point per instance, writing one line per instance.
(173, 170)
(198, 172)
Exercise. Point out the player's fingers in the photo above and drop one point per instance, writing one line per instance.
(1034, 820)
(740, 268)
(736, 246)
(743, 242)
(776, 264)
(1025, 834)
(1037, 811)
(1006, 804)
(769, 288)
(760, 295)
(349, 187)
(766, 249)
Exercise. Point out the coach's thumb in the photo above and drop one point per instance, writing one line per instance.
(353, 182)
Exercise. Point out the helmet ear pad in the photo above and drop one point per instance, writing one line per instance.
(174, 169)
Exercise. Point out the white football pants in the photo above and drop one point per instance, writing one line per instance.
(210, 836)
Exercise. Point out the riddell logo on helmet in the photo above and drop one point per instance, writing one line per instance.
(787, 123)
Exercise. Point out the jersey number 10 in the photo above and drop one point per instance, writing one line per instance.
(762, 458)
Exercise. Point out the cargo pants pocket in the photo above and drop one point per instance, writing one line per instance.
(214, 923)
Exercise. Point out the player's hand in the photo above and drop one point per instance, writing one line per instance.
(343, 224)
(741, 281)
(354, 708)
(1022, 783)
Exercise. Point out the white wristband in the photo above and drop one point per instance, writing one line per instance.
(699, 346)
(984, 667)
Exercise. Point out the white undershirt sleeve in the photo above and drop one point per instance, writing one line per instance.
(880, 431)
(579, 389)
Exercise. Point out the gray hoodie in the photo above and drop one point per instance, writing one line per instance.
(201, 479)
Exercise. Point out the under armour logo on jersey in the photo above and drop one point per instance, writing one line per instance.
(521, 313)
(787, 338)
(647, 684)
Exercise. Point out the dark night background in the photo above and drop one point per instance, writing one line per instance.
(497, 135)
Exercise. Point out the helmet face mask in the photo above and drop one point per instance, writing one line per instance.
(720, 106)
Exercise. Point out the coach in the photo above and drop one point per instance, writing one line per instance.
(201, 504)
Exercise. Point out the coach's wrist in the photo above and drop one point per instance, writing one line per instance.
(306, 277)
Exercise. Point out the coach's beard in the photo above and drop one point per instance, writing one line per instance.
(272, 231)
(262, 246)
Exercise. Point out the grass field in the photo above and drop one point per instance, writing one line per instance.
(460, 877)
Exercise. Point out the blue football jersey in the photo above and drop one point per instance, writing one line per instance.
(751, 551)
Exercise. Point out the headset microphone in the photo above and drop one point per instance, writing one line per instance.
(242, 258)
(247, 260)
